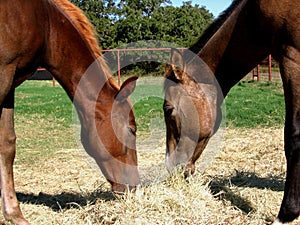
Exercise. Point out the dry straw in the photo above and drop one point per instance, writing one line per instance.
(244, 185)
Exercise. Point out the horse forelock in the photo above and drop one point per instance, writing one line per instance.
(86, 29)
(212, 29)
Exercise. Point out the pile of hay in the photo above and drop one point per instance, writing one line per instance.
(244, 185)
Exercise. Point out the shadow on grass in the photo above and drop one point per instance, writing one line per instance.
(65, 200)
(227, 188)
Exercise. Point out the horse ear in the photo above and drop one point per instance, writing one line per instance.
(126, 89)
(177, 64)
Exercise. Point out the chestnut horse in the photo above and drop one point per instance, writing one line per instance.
(56, 35)
(245, 34)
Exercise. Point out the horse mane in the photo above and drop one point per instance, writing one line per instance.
(87, 30)
(212, 29)
(204, 38)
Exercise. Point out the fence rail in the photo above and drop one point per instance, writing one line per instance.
(119, 50)
(256, 74)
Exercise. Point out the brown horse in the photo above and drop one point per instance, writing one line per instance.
(235, 43)
(56, 35)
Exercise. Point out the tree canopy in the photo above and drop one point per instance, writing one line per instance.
(126, 21)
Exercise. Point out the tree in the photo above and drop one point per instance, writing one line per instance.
(135, 20)
(101, 13)
(130, 21)
(181, 25)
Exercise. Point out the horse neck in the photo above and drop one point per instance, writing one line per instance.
(237, 46)
(76, 65)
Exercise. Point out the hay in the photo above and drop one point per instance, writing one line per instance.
(244, 185)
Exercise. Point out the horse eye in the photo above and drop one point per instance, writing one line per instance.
(132, 130)
(168, 110)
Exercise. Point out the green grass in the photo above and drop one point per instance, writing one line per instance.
(148, 102)
(40, 97)
(254, 104)
(43, 121)
(248, 104)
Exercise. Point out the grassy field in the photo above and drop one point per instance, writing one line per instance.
(56, 184)
(248, 104)
(253, 104)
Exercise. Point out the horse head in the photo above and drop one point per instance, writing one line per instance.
(189, 110)
(109, 135)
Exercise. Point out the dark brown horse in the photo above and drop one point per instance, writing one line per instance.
(56, 35)
(246, 33)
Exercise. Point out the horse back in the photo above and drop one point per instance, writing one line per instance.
(281, 18)
(22, 35)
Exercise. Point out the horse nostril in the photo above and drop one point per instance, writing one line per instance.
(121, 188)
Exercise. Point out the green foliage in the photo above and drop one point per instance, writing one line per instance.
(119, 23)
(101, 13)
(131, 20)
(183, 25)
